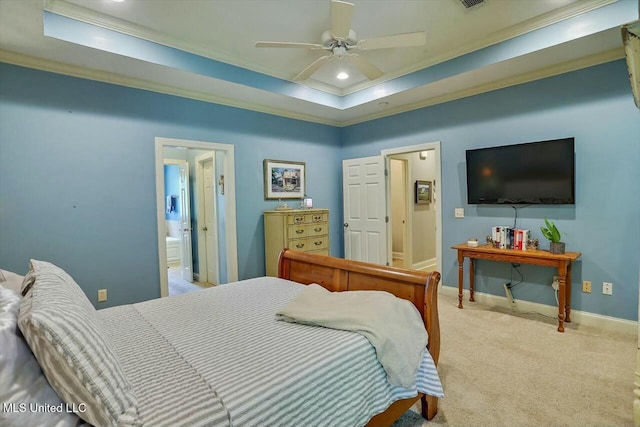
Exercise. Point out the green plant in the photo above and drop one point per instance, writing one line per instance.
(550, 232)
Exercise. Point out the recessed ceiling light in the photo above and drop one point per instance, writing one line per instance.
(342, 75)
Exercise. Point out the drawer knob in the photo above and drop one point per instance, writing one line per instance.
(317, 230)
(299, 231)
(300, 245)
(318, 243)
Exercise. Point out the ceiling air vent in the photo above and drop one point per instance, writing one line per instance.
(469, 4)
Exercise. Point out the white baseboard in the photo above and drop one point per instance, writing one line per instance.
(398, 255)
(578, 317)
(428, 264)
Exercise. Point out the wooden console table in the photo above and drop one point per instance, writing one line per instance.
(536, 257)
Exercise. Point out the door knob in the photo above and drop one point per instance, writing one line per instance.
(204, 228)
(346, 224)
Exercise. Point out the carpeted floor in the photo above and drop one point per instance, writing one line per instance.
(500, 368)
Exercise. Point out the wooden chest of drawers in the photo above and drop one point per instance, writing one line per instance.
(305, 230)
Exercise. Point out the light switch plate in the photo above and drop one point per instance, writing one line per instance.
(458, 213)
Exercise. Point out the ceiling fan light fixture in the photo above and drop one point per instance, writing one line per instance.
(342, 75)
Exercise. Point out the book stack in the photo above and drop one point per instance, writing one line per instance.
(504, 237)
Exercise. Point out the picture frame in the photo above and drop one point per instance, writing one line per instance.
(423, 192)
(284, 179)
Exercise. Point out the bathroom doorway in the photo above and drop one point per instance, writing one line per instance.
(212, 232)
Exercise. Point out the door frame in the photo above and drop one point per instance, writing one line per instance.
(231, 244)
(203, 276)
(427, 146)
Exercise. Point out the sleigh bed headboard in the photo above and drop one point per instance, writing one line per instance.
(338, 274)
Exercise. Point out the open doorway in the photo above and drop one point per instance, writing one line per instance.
(196, 216)
(178, 223)
(414, 206)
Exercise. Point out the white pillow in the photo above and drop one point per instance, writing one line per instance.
(22, 383)
(11, 280)
(73, 349)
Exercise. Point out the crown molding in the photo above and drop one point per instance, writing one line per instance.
(70, 10)
(554, 70)
(108, 77)
(549, 18)
(79, 13)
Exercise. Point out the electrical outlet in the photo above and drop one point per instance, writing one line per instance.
(102, 295)
(586, 286)
(458, 213)
(607, 288)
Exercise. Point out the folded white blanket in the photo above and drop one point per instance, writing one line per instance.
(392, 325)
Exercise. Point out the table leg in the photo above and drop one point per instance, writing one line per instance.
(460, 277)
(472, 278)
(562, 293)
(567, 307)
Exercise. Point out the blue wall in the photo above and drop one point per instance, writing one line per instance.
(593, 105)
(77, 179)
(77, 176)
(172, 188)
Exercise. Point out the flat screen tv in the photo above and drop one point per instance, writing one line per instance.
(532, 173)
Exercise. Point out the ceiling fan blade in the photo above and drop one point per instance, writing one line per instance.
(287, 44)
(369, 70)
(399, 40)
(341, 15)
(306, 73)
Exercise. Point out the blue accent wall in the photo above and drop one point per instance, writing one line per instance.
(77, 176)
(593, 105)
(172, 188)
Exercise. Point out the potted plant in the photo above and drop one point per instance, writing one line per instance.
(551, 233)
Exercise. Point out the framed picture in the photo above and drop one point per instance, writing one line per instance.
(423, 192)
(284, 180)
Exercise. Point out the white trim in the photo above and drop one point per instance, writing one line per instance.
(428, 264)
(398, 255)
(435, 146)
(581, 318)
(230, 212)
(107, 77)
(543, 73)
(550, 18)
(109, 22)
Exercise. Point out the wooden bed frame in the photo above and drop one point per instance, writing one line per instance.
(337, 274)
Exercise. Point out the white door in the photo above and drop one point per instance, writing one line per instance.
(185, 224)
(209, 214)
(365, 227)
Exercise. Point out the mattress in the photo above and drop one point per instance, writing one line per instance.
(220, 357)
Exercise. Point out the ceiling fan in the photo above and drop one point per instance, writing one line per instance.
(340, 40)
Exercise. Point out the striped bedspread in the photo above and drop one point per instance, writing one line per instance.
(219, 357)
